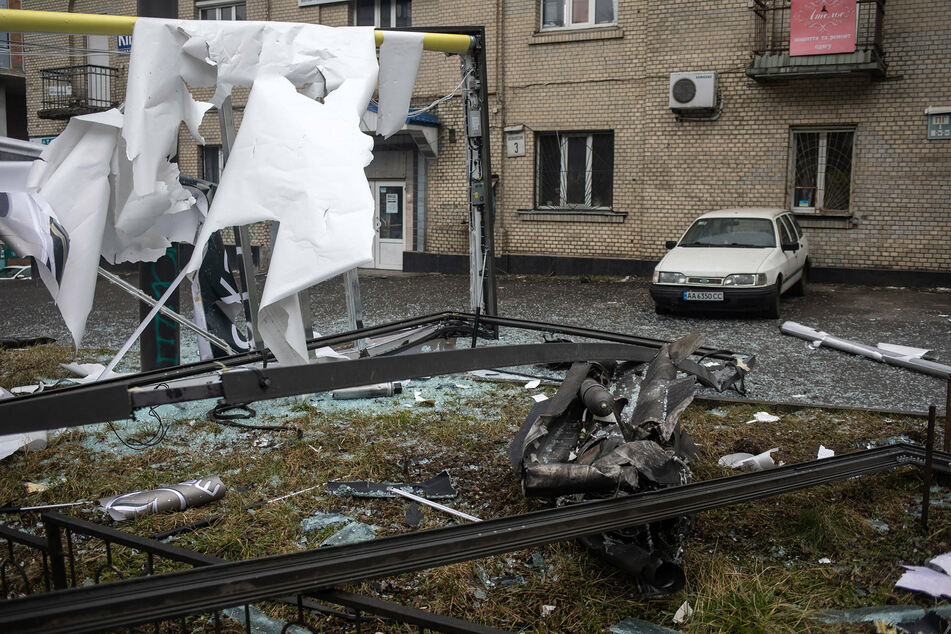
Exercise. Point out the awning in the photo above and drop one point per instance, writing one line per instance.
(423, 128)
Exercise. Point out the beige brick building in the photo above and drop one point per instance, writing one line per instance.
(607, 170)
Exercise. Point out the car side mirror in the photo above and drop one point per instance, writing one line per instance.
(790, 246)
(670, 244)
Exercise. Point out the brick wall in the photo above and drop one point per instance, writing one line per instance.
(666, 171)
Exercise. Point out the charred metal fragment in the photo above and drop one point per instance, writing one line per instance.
(439, 487)
(582, 445)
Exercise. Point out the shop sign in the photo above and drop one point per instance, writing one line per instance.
(822, 27)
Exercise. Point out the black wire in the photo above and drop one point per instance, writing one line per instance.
(156, 438)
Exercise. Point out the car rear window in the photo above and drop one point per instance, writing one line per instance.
(730, 232)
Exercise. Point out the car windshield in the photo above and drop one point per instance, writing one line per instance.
(730, 232)
(9, 272)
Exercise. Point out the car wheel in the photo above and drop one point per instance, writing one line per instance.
(799, 288)
(772, 310)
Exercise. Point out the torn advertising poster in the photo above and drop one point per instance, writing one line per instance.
(582, 445)
(439, 487)
(176, 497)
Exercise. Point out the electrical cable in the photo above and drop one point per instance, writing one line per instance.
(156, 438)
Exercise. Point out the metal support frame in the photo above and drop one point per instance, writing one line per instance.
(351, 291)
(209, 588)
(242, 236)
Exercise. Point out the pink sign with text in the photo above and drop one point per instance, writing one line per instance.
(822, 27)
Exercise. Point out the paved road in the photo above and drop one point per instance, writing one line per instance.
(787, 369)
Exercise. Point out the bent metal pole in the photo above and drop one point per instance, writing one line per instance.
(60, 22)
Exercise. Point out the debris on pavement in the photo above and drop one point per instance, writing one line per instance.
(438, 487)
(176, 497)
(918, 359)
(413, 516)
(824, 452)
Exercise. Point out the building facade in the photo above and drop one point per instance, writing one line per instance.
(599, 155)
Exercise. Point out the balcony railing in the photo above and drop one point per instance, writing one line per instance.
(74, 90)
(770, 45)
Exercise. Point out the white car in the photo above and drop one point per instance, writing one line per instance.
(733, 259)
(16, 272)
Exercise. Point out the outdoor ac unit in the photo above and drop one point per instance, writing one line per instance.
(693, 91)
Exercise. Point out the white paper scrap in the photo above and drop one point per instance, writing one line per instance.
(538, 398)
(742, 460)
(682, 613)
(923, 579)
(763, 417)
(531, 385)
(400, 54)
(825, 560)
(547, 610)
(418, 395)
(824, 453)
(30, 441)
(943, 562)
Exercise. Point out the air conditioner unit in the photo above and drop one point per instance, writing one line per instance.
(693, 91)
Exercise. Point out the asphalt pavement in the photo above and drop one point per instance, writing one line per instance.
(787, 368)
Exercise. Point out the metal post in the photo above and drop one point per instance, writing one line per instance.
(54, 541)
(947, 418)
(160, 343)
(242, 237)
(351, 288)
(929, 461)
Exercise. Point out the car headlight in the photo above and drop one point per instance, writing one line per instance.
(745, 279)
(664, 277)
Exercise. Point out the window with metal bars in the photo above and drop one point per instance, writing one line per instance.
(383, 13)
(821, 170)
(575, 170)
(556, 14)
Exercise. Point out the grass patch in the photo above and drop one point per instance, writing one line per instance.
(750, 568)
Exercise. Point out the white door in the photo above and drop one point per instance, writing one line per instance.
(390, 222)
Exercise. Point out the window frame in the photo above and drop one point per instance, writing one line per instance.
(567, 14)
(563, 138)
(821, 164)
(377, 15)
(218, 5)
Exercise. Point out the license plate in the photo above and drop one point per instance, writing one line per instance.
(703, 296)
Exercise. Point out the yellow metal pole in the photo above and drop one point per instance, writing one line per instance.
(18, 20)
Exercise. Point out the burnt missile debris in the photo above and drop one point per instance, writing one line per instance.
(586, 444)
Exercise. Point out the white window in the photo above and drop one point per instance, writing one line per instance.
(383, 13)
(821, 170)
(575, 170)
(558, 14)
(216, 10)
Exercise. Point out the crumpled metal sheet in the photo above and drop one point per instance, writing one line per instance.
(439, 487)
(584, 443)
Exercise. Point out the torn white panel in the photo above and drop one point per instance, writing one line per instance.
(943, 562)
(906, 351)
(824, 453)
(14, 175)
(744, 460)
(922, 579)
(400, 54)
(763, 417)
(31, 441)
(310, 157)
(73, 178)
